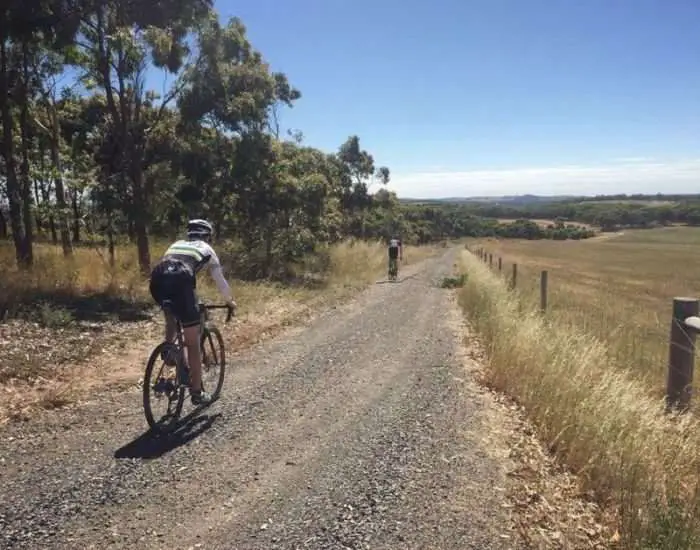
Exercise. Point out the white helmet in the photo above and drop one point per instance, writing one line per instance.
(198, 229)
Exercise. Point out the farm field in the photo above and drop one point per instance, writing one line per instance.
(546, 223)
(618, 287)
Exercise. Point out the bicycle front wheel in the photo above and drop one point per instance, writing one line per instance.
(162, 388)
(213, 361)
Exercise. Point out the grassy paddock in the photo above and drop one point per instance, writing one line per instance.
(599, 420)
(617, 287)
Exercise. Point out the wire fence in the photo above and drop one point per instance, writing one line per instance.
(636, 334)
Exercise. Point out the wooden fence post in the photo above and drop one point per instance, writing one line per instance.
(514, 279)
(543, 290)
(681, 355)
(490, 260)
(500, 264)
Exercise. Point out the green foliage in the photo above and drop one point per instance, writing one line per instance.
(454, 282)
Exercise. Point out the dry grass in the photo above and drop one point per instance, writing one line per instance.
(59, 282)
(619, 288)
(599, 420)
(65, 314)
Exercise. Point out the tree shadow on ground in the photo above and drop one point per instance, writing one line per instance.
(101, 307)
(150, 445)
(397, 281)
(96, 307)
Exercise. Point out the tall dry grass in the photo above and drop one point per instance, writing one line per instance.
(66, 283)
(55, 278)
(599, 420)
(618, 287)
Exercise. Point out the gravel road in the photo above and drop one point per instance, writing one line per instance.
(360, 430)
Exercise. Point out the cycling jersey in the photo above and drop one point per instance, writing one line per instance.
(394, 247)
(196, 255)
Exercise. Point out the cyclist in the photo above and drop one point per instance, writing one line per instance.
(395, 251)
(174, 278)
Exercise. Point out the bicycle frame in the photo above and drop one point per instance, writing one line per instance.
(203, 320)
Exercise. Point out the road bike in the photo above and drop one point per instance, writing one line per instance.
(167, 362)
(393, 269)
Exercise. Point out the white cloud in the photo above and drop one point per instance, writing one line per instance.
(623, 176)
(634, 159)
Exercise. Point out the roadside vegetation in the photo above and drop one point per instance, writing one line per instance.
(577, 374)
(617, 287)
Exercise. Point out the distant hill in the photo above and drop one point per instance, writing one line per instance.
(521, 200)
(506, 199)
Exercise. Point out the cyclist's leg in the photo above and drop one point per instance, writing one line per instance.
(393, 253)
(163, 287)
(188, 313)
(156, 287)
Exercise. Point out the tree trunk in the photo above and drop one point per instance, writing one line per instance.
(76, 217)
(46, 198)
(52, 228)
(26, 180)
(140, 219)
(110, 240)
(60, 190)
(8, 154)
(26, 189)
(37, 200)
(3, 225)
(269, 234)
(45, 187)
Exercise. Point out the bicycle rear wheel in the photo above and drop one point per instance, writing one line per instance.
(393, 269)
(213, 361)
(161, 386)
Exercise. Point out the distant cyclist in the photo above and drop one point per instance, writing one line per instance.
(174, 278)
(395, 251)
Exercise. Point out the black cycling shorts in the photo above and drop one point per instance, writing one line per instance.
(393, 252)
(174, 280)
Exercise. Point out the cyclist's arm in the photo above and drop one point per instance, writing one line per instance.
(217, 273)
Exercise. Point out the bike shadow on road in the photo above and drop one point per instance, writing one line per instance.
(397, 281)
(150, 445)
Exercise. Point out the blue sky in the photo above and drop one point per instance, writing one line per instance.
(490, 97)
